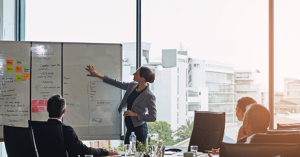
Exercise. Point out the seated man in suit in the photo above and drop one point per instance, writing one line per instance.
(256, 120)
(56, 108)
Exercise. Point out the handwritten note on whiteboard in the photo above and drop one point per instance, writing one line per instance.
(14, 91)
(46, 73)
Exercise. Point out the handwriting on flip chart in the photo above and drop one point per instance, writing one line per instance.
(12, 108)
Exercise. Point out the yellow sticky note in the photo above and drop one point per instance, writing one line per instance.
(9, 69)
(25, 76)
(18, 69)
(9, 62)
(18, 77)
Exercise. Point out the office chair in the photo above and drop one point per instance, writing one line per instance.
(259, 150)
(208, 130)
(19, 142)
(49, 139)
(276, 138)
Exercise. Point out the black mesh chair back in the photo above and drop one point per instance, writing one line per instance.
(288, 126)
(19, 141)
(276, 138)
(208, 130)
(289, 131)
(259, 150)
(49, 139)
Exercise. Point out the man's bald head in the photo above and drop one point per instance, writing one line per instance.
(258, 118)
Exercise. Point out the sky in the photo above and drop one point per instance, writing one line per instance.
(226, 31)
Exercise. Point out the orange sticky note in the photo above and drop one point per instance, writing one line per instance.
(25, 76)
(34, 103)
(19, 69)
(41, 109)
(41, 102)
(9, 62)
(34, 109)
(46, 103)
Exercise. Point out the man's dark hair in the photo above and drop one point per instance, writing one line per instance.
(244, 102)
(56, 105)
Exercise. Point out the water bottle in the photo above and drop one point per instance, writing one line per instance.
(132, 139)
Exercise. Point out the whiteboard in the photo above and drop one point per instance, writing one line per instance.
(60, 68)
(14, 84)
(92, 105)
(46, 77)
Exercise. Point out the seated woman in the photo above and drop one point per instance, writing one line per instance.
(241, 106)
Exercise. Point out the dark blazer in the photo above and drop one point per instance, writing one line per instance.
(242, 140)
(74, 146)
(143, 103)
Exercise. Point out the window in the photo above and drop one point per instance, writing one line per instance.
(177, 84)
(8, 16)
(242, 75)
(287, 95)
(193, 106)
(186, 110)
(94, 21)
(187, 78)
(186, 96)
(227, 30)
(178, 103)
(181, 60)
(192, 93)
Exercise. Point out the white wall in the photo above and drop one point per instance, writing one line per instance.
(165, 90)
(183, 89)
(198, 73)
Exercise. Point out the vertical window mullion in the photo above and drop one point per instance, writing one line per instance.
(138, 33)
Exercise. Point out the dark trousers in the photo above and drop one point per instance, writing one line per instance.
(140, 133)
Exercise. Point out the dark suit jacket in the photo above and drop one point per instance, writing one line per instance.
(74, 146)
(242, 140)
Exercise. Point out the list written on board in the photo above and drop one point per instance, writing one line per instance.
(100, 109)
(14, 111)
(46, 75)
(46, 85)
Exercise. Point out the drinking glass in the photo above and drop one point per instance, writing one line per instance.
(152, 136)
(127, 149)
(150, 149)
(194, 149)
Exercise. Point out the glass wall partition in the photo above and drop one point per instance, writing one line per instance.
(213, 52)
(92, 21)
(287, 78)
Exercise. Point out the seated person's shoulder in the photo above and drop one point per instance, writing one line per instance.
(242, 140)
(240, 134)
(67, 129)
